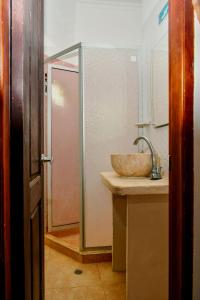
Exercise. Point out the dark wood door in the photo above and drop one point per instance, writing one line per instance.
(27, 214)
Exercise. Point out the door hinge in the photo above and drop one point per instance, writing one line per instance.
(45, 84)
(170, 163)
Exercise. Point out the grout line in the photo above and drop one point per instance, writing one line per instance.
(99, 272)
(102, 286)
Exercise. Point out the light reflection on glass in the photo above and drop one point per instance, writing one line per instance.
(57, 95)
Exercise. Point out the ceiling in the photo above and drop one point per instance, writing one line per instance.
(121, 2)
(128, 1)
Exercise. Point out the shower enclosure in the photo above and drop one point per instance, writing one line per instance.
(91, 107)
(63, 140)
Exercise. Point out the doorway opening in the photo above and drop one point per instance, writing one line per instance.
(121, 94)
(26, 171)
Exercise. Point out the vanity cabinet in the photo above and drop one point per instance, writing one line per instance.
(140, 234)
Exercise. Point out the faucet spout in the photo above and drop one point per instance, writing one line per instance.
(156, 169)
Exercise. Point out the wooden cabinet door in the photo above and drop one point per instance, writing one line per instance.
(27, 235)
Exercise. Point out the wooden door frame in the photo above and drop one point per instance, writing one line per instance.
(181, 32)
(5, 274)
(181, 177)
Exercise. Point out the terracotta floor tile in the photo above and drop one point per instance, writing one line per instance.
(60, 273)
(95, 293)
(72, 239)
(56, 277)
(87, 293)
(79, 293)
(115, 291)
(72, 236)
(97, 282)
(89, 277)
(47, 253)
(56, 294)
(57, 270)
(108, 276)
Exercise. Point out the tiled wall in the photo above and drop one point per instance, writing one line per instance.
(67, 22)
(111, 98)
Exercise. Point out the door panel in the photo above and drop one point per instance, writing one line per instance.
(35, 108)
(27, 212)
(36, 250)
(65, 190)
(36, 209)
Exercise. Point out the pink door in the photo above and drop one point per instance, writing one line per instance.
(65, 189)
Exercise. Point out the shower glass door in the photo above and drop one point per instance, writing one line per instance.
(63, 144)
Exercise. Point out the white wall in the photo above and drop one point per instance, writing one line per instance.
(67, 22)
(153, 33)
(111, 90)
(59, 25)
(148, 7)
(196, 294)
(109, 23)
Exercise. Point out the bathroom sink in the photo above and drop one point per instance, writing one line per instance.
(132, 165)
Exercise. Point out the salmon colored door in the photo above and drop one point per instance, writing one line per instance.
(64, 183)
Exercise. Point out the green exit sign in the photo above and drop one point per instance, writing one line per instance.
(163, 13)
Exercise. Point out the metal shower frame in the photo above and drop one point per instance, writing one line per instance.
(50, 60)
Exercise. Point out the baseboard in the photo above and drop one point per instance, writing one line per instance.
(87, 256)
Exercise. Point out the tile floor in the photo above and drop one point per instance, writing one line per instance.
(71, 237)
(97, 282)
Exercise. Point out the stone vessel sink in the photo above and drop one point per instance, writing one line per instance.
(132, 165)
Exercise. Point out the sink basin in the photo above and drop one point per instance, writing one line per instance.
(132, 165)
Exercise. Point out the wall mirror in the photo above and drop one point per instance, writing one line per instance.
(160, 82)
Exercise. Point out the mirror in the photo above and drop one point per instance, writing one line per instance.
(160, 83)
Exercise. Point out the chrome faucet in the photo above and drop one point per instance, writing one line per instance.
(156, 169)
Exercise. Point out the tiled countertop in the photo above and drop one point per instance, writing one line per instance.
(134, 185)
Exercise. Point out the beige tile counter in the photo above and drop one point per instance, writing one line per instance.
(140, 234)
(134, 185)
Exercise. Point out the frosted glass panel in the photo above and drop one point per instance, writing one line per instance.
(65, 135)
(111, 111)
